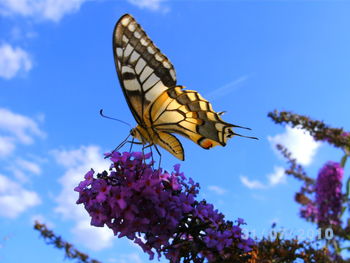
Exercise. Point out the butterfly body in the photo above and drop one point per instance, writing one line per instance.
(161, 107)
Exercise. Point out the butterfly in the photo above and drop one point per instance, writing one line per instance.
(160, 106)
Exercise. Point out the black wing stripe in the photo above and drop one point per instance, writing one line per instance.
(144, 46)
(141, 67)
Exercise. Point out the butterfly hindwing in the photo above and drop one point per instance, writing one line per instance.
(170, 143)
(187, 113)
(144, 72)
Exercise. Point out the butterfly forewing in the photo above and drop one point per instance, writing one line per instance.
(144, 72)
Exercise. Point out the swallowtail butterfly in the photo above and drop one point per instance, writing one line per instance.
(159, 105)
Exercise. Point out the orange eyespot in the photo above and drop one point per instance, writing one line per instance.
(205, 143)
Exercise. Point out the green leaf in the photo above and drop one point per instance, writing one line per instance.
(343, 209)
(348, 187)
(343, 160)
(347, 150)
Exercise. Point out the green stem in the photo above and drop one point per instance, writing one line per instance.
(348, 187)
(335, 244)
(345, 248)
(343, 160)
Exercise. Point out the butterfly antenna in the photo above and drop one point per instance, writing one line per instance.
(242, 127)
(107, 117)
(233, 125)
(249, 137)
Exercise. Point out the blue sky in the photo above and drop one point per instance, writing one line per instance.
(247, 57)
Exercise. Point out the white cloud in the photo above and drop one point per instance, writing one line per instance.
(277, 177)
(20, 126)
(17, 33)
(22, 169)
(56, 9)
(252, 184)
(13, 60)
(14, 199)
(94, 238)
(52, 10)
(22, 7)
(77, 163)
(154, 5)
(19, 174)
(217, 189)
(78, 157)
(302, 147)
(16, 128)
(28, 166)
(7, 146)
(300, 143)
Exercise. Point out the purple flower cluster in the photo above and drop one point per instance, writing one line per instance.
(158, 211)
(325, 208)
(309, 212)
(328, 194)
(345, 134)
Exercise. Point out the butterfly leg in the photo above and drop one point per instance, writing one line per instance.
(132, 143)
(155, 146)
(148, 146)
(118, 147)
(152, 157)
(160, 155)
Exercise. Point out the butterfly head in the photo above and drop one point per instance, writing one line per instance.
(140, 133)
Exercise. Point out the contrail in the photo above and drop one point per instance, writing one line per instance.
(225, 89)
